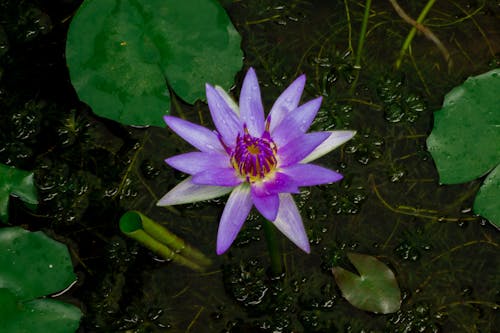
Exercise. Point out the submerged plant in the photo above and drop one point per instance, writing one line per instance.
(261, 161)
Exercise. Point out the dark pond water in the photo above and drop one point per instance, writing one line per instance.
(390, 205)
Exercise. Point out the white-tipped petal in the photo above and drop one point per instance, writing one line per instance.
(290, 223)
(187, 192)
(335, 139)
(229, 100)
(300, 147)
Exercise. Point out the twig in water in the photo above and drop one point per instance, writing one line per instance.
(417, 25)
(411, 211)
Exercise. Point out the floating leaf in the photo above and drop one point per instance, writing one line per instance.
(465, 141)
(375, 289)
(487, 199)
(122, 54)
(18, 183)
(37, 316)
(34, 265)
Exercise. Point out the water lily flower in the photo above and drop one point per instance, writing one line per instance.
(261, 161)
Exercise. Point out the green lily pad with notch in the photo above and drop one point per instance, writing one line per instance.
(32, 266)
(18, 183)
(123, 54)
(465, 140)
(375, 289)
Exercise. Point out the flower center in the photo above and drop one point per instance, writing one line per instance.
(253, 157)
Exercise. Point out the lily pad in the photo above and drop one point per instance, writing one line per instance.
(122, 54)
(465, 140)
(34, 265)
(487, 199)
(375, 289)
(37, 316)
(18, 183)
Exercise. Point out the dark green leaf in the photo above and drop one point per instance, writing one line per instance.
(487, 200)
(375, 289)
(32, 264)
(15, 182)
(37, 316)
(122, 54)
(8, 306)
(465, 141)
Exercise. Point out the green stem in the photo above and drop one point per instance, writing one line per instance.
(158, 239)
(273, 248)
(413, 31)
(361, 42)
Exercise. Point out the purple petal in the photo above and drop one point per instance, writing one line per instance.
(290, 223)
(296, 122)
(267, 205)
(225, 119)
(287, 101)
(235, 213)
(196, 162)
(187, 192)
(280, 183)
(251, 109)
(198, 136)
(335, 139)
(217, 177)
(310, 174)
(297, 149)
